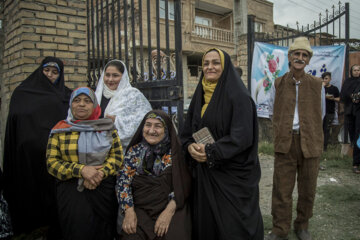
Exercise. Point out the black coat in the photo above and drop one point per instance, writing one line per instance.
(350, 86)
(226, 196)
(36, 105)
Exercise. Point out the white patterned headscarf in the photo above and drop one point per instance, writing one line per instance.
(127, 103)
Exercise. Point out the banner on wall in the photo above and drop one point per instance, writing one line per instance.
(271, 61)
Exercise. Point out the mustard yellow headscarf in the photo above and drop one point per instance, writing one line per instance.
(209, 87)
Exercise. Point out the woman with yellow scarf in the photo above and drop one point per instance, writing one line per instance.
(227, 171)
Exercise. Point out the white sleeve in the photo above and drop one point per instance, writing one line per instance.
(271, 99)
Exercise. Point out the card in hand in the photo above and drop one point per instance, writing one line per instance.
(203, 136)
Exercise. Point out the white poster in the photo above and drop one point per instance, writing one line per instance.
(271, 61)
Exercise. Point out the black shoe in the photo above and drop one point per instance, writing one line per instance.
(303, 234)
(273, 236)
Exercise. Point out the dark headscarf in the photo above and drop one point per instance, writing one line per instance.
(37, 80)
(157, 150)
(350, 85)
(180, 174)
(36, 106)
(226, 196)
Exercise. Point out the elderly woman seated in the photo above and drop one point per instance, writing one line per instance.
(154, 183)
(84, 154)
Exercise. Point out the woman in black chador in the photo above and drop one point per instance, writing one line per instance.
(350, 96)
(227, 172)
(36, 105)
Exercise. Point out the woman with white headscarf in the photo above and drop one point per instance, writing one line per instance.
(121, 102)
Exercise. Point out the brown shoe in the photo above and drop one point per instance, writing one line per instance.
(273, 236)
(303, 234)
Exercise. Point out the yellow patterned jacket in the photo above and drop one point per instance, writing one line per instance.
(63, 161)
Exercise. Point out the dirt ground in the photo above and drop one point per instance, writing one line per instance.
(337, 204)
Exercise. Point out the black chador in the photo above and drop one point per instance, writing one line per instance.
(36, 106)
(226, 195)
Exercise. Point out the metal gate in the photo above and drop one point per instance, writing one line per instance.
(146, 36)
(321, 32)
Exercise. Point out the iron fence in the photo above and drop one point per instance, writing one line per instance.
(146, 35)
(321, 32)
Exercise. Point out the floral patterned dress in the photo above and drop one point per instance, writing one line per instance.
(5, 225)
(134, 165)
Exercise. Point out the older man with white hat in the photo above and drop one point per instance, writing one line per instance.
(297, 108)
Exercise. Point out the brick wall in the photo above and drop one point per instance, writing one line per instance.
(34, 29)
(263, 11)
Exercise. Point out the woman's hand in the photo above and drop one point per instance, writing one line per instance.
(197, 152)
(163, 221)
(88, 185)
(112, 117)
(130, 221)
(92, 174)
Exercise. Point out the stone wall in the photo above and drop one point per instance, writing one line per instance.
(263, 12)
(34, 29)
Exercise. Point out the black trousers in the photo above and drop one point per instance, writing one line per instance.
(353, 123)
(87, 215)
(328, 119)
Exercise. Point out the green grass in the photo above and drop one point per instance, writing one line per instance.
(333, 152)
(332, 156)
(267, 219)
(266, 148)
(336, 212)
(336, 194)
